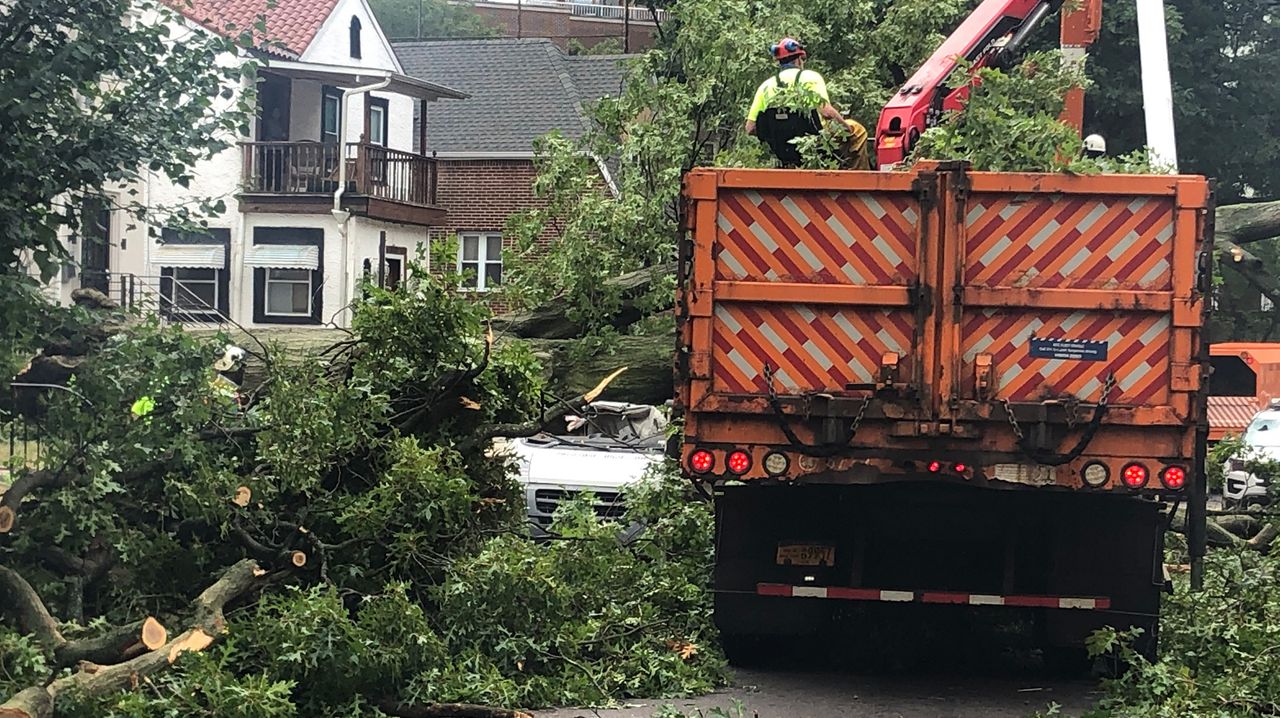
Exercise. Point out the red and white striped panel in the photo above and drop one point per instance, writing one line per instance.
(1088, 603)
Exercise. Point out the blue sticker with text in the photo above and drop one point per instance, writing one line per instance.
(1074, 349)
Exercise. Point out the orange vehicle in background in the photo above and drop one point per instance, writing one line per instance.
(940, 386)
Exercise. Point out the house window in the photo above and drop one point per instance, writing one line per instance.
(355, 37)
(330, 115)
(480, 260)
(195, 289)
(378, 121)
(193, 276)
(288, 293)
(288, 275)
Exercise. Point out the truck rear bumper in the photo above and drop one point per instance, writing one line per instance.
(1087, 603)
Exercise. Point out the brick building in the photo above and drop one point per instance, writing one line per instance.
(518, 91)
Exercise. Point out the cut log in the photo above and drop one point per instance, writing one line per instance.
(298, 558)
(117, 644)
(243, 496)
(33, 702)
(26, 482)
(206, 625)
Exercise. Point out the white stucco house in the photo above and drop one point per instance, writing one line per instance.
(316, 199)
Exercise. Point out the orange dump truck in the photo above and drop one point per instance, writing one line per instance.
(945, 387)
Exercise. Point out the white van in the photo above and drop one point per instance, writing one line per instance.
(608, 448)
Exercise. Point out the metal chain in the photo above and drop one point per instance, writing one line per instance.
(857, 420)
(1013, 420)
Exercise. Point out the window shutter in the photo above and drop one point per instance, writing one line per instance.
(283, 256)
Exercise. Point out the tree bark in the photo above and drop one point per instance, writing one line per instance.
(1244, 223)
(649, 378)
(28, 610)
(25, 484)
(206, 624)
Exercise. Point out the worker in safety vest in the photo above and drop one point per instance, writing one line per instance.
(777, 126)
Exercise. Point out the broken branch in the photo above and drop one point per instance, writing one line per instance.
(206, 625)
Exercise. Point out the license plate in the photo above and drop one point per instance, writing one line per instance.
(806, 555)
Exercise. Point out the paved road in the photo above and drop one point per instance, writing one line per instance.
(786, 694)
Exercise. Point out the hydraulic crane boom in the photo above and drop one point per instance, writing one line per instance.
(990, 37)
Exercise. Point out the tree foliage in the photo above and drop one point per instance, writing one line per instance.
(404, 19)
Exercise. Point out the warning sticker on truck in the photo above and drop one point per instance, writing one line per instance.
(1075, 349)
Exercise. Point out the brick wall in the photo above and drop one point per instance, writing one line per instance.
(559, 26)
(480, 195)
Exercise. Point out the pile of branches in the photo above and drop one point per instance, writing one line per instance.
(337, 507)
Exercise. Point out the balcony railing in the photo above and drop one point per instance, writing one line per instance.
(310, 168)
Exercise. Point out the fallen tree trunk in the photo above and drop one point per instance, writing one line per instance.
(1220, 532)
(206, 624)
(649, 378)
(551, 321)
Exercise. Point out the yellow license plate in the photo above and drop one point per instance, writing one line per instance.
(806, 555)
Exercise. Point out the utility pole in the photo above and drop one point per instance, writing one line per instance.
(519, 19)
(626, 26)
(419, 35)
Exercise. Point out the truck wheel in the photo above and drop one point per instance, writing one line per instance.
(1066, 661)
(746, 650)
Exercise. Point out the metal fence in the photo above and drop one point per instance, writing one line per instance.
(21, 444)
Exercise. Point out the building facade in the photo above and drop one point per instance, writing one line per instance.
(324, 192)
(518, 91)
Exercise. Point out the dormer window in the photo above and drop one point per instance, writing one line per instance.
(355, 37)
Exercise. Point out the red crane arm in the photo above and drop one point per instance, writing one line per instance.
(990, 36)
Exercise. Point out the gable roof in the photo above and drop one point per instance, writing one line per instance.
(292, 24)
(520, 89)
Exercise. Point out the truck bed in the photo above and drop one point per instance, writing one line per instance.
(869, 326)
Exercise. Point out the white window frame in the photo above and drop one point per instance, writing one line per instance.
(482, 259)
(179, 284)
(266, 292)
(379, 121)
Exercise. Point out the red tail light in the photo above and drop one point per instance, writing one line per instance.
(1135, 476)
(739, 462)
(702, 461)
(1174, 478)
(935, 467)
(959, 468)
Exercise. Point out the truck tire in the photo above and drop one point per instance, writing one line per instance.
(1066, 661)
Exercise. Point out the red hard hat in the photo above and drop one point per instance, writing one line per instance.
(787, 48)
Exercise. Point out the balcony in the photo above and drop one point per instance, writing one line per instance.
(302, 177)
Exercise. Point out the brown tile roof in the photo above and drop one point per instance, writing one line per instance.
(1230, 415)
(292, 24)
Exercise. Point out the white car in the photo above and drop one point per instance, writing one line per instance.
(1262, 440)
(604, 451)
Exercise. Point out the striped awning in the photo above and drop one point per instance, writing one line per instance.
(196, 256)
(283, 256)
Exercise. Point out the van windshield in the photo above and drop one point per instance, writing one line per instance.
(1263, 432)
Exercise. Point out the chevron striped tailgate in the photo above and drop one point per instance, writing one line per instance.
(1137, 353)
(809, 347)
(1074, 241)
(817, 237)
